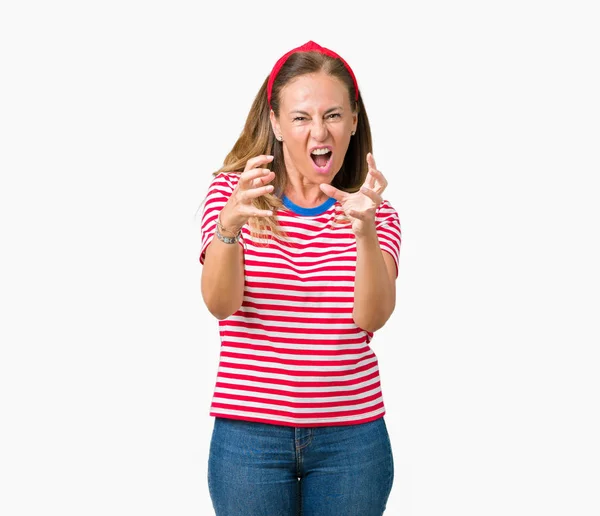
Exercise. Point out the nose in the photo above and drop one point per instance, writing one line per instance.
(319, 130)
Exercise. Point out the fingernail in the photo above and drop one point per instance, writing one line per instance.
(270, 188)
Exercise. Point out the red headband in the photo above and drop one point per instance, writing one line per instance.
(311, 46)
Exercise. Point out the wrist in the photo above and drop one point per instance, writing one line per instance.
(367, 232)
(227, 224)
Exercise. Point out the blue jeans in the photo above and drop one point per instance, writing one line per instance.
(259, 469)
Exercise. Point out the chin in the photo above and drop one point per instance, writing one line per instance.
(323, 178)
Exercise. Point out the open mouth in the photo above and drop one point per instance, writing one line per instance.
(321, 157)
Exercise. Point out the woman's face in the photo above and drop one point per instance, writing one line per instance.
(316, 122)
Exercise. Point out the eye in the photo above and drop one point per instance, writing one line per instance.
(299, 119)
(334, 115)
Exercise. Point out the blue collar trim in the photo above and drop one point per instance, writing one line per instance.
(317, 210)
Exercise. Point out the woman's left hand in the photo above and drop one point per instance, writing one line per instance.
(360, 207)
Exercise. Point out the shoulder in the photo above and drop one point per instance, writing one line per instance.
(386, 213)
(225, 181)
(219, 190)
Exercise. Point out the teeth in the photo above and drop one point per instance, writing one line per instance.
(319, 152)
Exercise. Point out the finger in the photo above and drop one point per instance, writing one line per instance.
(332, 191)
(263, 180)
(260, 213)
(377, 181)
(253, 193)
(370, 180)
(372, 194)
(247, 178)
(361, 215)
(258, 160)
(380, 181)
(342, 217)
(371, 160)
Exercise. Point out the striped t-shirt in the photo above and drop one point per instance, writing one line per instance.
(292, 354)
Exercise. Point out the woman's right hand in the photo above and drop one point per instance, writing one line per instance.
(252, 184)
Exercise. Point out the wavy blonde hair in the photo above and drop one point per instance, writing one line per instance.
(257, 137)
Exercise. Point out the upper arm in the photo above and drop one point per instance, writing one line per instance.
(390, 264)
(219, 191)
(389, 233)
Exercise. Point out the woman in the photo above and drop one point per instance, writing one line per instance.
(300, 255)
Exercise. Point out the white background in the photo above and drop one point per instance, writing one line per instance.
(485, 118)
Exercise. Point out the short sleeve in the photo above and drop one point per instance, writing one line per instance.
(219, 191)
(389, 231)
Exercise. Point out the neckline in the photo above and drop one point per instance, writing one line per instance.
(299, 210)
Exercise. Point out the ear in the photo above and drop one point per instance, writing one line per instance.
(274, 123)
(354, 121)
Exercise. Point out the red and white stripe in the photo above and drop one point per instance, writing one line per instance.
(292, 354)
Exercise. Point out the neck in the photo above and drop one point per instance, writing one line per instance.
(307, 198)
(302, 192)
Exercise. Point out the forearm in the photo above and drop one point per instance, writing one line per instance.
(222, 282)
(374, 289)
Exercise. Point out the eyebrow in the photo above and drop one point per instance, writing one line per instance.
(336, 108)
